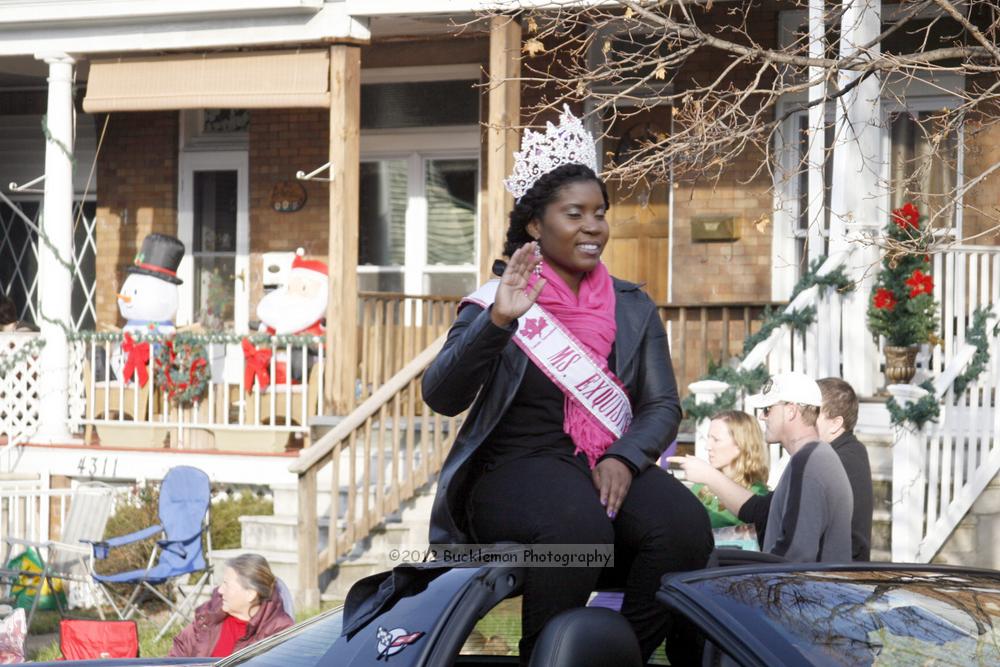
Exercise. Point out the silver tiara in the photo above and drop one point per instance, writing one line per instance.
(569, 143)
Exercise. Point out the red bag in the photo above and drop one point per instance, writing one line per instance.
(91, 640)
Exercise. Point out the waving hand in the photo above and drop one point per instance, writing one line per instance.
(514, 298)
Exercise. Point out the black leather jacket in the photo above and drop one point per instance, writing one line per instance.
(480, 362)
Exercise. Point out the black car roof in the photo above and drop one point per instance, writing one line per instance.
(805, 568)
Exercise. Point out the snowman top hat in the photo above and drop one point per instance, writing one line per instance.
(159, 257)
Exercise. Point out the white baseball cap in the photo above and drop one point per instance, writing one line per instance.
(787, 388)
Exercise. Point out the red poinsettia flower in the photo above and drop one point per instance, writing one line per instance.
(885, 299)
(920, 283)
(907, 216)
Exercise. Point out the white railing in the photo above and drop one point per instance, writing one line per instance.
(816, 353)
(27, 508)
(19, 398)
(965, 278)
(938, 472)
(232, 402)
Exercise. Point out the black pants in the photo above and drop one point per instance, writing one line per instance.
(661, 527)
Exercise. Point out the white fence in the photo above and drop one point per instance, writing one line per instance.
(234, 399)
(940, 471)
(27, 508)
(965, 278)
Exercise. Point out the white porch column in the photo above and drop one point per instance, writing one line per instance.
(55, 279)
(856, 206)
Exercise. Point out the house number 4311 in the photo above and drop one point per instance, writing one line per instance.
(93, 466)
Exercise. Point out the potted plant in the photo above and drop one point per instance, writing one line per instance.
(902, 308)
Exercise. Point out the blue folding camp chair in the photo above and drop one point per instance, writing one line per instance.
(183, 514)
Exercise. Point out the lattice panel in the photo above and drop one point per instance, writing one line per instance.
(19, 260)
(76, 389)
(19, 257)
(19, 399)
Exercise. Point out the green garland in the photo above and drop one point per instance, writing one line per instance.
(976, 335)
(182, 370)
(9, 362)
(928, 408)
(738, 379)
(918, 413)
(750, 381)
(187, 337)
(835, 279)
(800, 320)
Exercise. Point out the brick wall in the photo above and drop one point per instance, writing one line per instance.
(283, 141)
(136, 196)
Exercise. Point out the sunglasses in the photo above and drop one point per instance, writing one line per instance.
(767, 411)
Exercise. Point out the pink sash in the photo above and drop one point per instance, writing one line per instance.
(567, 362)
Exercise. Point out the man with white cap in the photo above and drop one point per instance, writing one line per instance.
(810, 514)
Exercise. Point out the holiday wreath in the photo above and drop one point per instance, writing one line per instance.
(182, 370)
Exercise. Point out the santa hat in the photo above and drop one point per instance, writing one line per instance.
(313, 265)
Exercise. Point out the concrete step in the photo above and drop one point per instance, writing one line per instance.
(881, 531)
(347, 572)
(881, 556)
(284, 564)
(277, 531)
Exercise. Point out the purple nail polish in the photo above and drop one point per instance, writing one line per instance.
(604, 502)
(612, 514)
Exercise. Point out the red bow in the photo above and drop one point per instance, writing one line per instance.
(255, 365)
(137, 360)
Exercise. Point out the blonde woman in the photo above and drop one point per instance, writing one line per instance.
(735, 448)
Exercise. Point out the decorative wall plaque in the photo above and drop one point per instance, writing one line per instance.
(288, 196)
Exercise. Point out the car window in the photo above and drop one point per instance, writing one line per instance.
(498, 632)
(871, 618)
(302, 645)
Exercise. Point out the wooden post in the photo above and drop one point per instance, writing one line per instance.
(503, 137)
(308, 530)
(342, 309)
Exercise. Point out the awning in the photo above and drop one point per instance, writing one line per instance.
(244, 80)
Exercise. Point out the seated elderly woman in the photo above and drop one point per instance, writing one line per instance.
(245, 608)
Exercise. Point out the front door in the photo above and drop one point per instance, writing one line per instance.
(214, 226)
(639, 248)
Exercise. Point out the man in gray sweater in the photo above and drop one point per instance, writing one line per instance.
(810, 515)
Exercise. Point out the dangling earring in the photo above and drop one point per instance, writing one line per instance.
(538, 256)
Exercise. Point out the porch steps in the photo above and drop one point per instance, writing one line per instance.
(276, 538)
(874, 432)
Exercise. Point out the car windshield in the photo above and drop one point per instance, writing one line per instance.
(871, 618)
(302, 645)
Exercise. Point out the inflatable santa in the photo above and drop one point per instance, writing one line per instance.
(300, 306)
(149, 297)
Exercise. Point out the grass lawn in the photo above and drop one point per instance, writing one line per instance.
(47, 623)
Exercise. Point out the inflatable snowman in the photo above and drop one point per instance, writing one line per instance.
(148, 302)
(299, 306)
(149, 296)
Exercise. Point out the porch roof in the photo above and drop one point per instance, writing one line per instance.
(246, 80)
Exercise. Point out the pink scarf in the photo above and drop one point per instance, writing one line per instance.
(590, 317)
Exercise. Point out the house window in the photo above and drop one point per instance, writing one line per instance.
(419, 185)
(811, 239)
(921, 174)
(419, 104)
(418, 225)
(916, 172)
